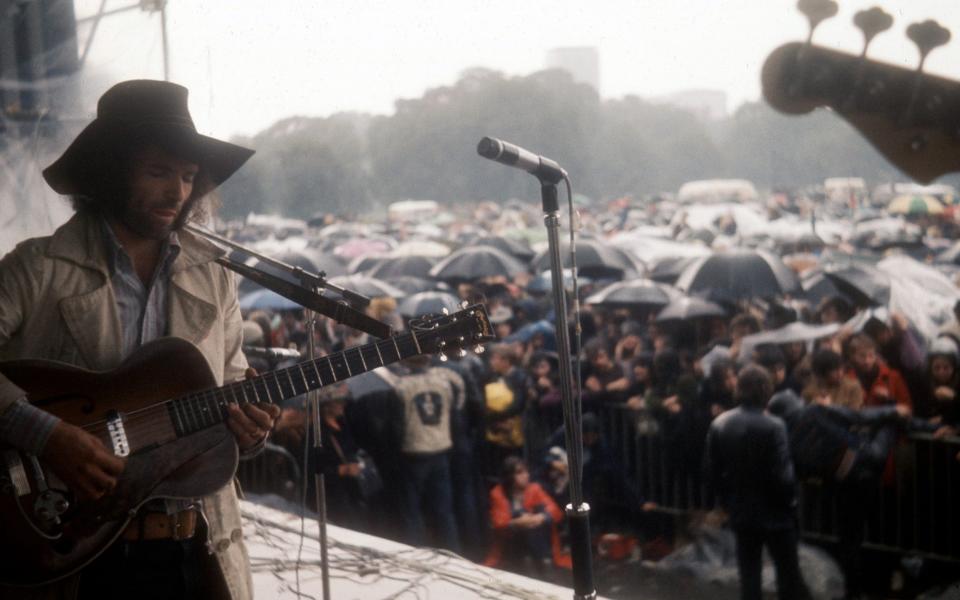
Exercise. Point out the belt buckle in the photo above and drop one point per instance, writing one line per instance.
(177, 531)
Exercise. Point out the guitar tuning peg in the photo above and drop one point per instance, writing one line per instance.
(927, 36)
(443, 358)
(464, 304)
(478, 349)
(871, 22)
(816, 12)
(462, 353)
(445, 310)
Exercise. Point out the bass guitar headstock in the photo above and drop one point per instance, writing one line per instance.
(911, 117)
(453, 334)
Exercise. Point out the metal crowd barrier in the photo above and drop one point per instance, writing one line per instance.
(274, 471)
(916, 512)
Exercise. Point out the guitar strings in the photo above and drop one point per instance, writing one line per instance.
(148, 422)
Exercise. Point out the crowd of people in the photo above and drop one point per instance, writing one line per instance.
(468, 453)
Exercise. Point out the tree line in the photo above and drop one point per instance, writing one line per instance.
(349, 163)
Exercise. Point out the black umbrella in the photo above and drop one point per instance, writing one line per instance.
(402, 266)
(518, 249)
(595, 259)
(864, 284)
(363, 264)
(308, 259)
(476, 262)
(668, 270)
(817, 287)
(428, 303)
(739, 275)
(686, 308)
(634, 293)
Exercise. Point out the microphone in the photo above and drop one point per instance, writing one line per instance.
(543, 168)
(271, 353)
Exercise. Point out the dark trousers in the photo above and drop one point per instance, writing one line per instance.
(857, 497)
(427, 486)
(782, 546)
(155, 570)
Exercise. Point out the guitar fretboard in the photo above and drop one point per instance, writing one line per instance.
(200, 410)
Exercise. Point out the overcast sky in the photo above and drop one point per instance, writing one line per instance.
(249, 63)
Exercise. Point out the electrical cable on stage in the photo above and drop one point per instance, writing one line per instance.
(364, 565)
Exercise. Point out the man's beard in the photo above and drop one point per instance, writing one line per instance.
(140, 222)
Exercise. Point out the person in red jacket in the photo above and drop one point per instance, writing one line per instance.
(881, 384)
(524, 520)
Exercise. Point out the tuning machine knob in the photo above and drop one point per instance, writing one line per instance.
(871, 22)
(817, 11)
(478, 349)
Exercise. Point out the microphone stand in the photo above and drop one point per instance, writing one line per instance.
(308, 294)
(578, 511)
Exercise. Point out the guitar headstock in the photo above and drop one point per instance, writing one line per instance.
(453, 334)
(909, 116)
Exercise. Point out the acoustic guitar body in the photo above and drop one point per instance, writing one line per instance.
(159, 462)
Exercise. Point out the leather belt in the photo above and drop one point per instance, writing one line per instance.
(160, 526)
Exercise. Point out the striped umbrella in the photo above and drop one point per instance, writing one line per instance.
(915, 204)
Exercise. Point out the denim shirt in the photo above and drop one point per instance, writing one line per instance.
(142, 307)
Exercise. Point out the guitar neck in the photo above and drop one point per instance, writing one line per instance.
(200, 410)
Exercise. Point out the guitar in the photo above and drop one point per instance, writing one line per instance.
(162, 410)
(909, 116)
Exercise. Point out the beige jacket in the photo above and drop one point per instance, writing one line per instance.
(56, 302)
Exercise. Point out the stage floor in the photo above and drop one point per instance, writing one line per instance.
(367, 567)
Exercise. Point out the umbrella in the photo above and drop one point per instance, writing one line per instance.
(951, 255)
(915, 204)
(668, 270)
(363, 247)
(792, 332)
(368, 286)
(519, 249)
(531, 330)
(476, 262)
(596, 259)
(817, 286)
(427, 303)
(543, 283)
(864, 284)
(267, 300)
(363, 264)
(412, 285)
(634, 293)
(738, 275)
(308, 259)
(421, 248)
(402, 266)
(686, 308)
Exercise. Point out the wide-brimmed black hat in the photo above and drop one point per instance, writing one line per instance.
(141, 109)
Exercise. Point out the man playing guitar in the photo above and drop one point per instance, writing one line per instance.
(120, 273)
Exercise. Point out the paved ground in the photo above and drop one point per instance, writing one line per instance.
(634, 580)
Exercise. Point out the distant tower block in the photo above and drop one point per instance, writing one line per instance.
(582, 62)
